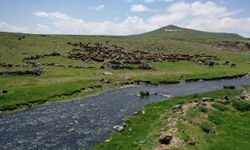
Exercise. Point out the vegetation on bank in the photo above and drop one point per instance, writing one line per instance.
(67, 78)
(213, 120)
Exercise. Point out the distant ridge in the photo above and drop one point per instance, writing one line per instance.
(173, 31)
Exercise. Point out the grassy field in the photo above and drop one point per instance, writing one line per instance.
(213, 126)
(60, 83)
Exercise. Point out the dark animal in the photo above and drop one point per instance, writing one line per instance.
(233, 65)
(226, 63)
(211, 64)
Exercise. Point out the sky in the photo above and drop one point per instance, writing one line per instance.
(123, 17)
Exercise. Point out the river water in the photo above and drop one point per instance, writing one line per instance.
(81, 124)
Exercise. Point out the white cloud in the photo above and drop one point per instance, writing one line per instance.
(70, 25)
(151, 1)
(138, 8)
(41, 14)
(41, 28)
(208, 16)
(11, 28)
(141, 8)
(97, 8)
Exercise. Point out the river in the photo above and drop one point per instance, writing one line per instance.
(81, 124)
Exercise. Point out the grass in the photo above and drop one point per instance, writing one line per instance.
(211, 128)
(65, 79)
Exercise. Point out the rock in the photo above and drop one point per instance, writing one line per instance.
(225, 97)
(192, 142)
(108, 73)
(106, 81)
(207, 99)
(222, 101)
(176, 107)
(100, 79)
(136, 113)
(125, 125)
(143, 93)
(165, 138)
(145, 66)
(243, 97)
(71, 129)
(118, 128)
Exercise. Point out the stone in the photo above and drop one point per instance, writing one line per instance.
(165, 138)
(176, 107)
(145, 66)
(136, 113)
(100, 79)
(225, 97)
(108, 73)
(207, 99)
(243, 97)
(118, 128)
(222, 101)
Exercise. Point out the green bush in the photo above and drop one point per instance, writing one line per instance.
(206, 126)
(215, 117)
(231, 87)
(202, 109)
(144, 93)
(241, 105)
(220, 106)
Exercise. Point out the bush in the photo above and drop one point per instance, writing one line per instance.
(219, 106)
(241, 106)
(215, 117)
(231, 87)
(144, 93)
(202, 109)
(206, 126)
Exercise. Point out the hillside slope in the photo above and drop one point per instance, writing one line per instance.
(175, 32)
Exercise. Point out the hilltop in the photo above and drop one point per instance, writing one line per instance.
(175, 32)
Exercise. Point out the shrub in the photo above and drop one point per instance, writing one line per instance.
(202, 109)
(219, 106)
(215, 117)
(144, 93)
(206, 126)
(241, 106)
(231, 87)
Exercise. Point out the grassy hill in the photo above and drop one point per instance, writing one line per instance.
(175, 32)
(64, 77)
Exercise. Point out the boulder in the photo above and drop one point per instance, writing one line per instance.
(108, 73)
(165, 138)
(145, 66)
(176, 107)
(118, 128)
(222, 101)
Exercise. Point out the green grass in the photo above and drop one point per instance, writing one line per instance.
(147, 127)
(13, 51)
(221, 129)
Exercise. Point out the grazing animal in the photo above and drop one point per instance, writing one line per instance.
(211, 64)
(233, 65)
(226, 63)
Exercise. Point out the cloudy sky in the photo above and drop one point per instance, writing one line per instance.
(123, 17)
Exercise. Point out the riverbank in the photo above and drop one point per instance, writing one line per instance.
(84, 123)
(24, 98)
(214, 120)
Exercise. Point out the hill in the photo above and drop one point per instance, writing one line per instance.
(175, 32)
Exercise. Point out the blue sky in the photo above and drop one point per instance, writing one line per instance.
(122, 17)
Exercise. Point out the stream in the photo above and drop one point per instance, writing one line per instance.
(82, 124)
